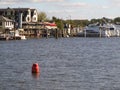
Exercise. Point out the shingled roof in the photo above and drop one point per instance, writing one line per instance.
(2, 18)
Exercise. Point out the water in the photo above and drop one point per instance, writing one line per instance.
(66, 64)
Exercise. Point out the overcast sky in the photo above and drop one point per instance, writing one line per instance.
(66, 9)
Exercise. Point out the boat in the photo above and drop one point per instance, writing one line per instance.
(4, 37)
(111, 30)
(98, 30)
(92, 30)
(13, 35)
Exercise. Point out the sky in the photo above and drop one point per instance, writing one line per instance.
(69, 9)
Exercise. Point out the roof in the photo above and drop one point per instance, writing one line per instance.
(50, 24)
(22, 9)
(32, 9)
(5, 9)
(16, 9)
(2, 18)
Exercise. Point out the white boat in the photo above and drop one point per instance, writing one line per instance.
(23, 37)
(15, 34)
(92, 30)
(111, 30)
(97, 30)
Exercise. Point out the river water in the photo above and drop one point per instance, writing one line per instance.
(65, 64)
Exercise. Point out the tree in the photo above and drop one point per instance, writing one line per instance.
(81, 23)
(59, 22)
(117, 19)
(42, 16)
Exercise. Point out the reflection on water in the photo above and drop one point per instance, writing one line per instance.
(36, 75)
(65, 64)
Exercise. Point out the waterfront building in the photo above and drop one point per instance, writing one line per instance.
(28, 15)
(25, 20)
(20, 16)
(6, 24)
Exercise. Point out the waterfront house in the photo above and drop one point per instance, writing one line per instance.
(6, 24)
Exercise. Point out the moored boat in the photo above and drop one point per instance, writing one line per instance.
(12, 36)
(97, 30)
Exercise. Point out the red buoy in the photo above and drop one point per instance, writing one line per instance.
(35, 68)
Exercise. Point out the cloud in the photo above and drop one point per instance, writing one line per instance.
(54, 0)
(80, 4)
(114, 2)
(46, 0)
(7, 2)
(60, 11)
(105, 7)
(27, 1)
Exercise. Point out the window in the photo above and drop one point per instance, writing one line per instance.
(8, 13)
(5, 13)
(7, 23)
(0, 23)
(11, 12)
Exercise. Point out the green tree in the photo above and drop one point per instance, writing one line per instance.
(42, 16)
(81, 23)
(59, 22)
(117, 19)
(94, 21)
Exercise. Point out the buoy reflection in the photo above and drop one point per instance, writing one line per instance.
(36, 75)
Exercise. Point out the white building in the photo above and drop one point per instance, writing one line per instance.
(6, 24)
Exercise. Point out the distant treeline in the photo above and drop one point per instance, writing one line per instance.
(75, 23)
(82, 23)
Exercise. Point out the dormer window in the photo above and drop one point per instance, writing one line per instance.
(12, 13)
(8, 13)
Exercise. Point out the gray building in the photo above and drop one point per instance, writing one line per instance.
(28, 15)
